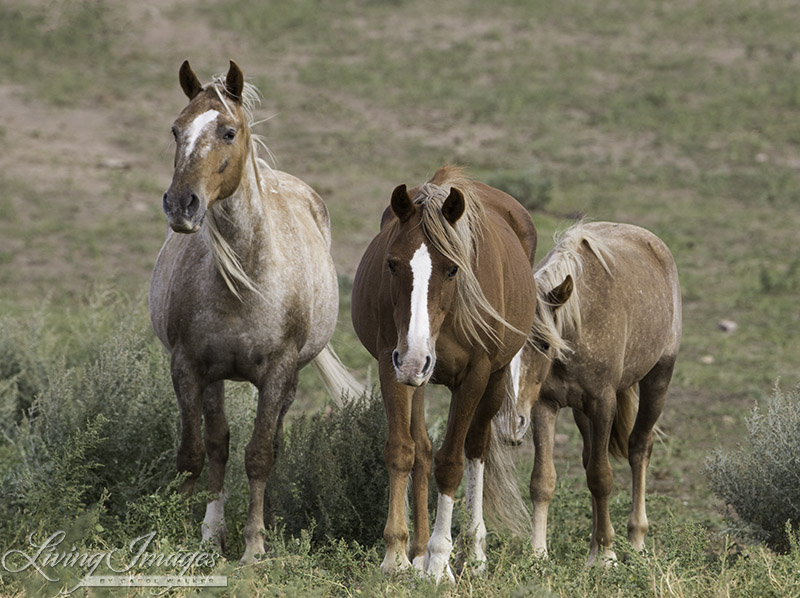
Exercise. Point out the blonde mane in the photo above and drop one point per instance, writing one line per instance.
(551, 325)
(227, 261)
(459, 244)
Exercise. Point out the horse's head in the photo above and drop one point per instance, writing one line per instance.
(422, 286)
(530, 368)
(213, 139)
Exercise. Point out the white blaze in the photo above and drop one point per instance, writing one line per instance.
(516, 364)
(196, 129)
(419, 329)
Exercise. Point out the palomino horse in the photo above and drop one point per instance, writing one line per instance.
(442, 295)
(253, 296)
(608, 318)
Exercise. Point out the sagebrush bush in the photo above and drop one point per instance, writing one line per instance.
(330, 473)
(92, 426)
(101, 426)
(26, 362)
(760, 480)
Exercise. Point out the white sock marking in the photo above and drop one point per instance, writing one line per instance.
(474, 500)
(440, 545)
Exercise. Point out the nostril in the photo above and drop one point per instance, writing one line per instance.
(194, 203)
(164, 202)
(396, 359)
(427, 367)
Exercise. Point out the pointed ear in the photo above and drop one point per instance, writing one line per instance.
(561, 294)
(402, 206)
(189, 82)
(453, 206)
(234, 82)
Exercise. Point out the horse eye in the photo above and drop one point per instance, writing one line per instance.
(452, 272)
(392, 266)
(545, 347)
(229, 135)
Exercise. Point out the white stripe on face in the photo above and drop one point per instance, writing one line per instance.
(516, 364)
(419, 330)
(197, 127)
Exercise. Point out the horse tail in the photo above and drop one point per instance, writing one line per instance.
(627, 408)
(501, 495)
(334, 375)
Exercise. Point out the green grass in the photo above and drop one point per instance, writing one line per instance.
(681, 118)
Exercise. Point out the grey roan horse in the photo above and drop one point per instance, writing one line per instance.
(252, 295)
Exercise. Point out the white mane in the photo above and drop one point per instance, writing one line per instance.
(564, 260)
(225, 258)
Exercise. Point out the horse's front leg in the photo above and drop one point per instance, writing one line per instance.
(543, 477)
(473, 546)
(449, 468)
(399, 457)
(420, 475)
(600, 478)
(276, 390)
(189, 392)
(217, 438)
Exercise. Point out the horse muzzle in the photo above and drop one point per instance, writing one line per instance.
(413, 369)
(184, 213)
(511, 428)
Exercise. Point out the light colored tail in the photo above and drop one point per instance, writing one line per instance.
(627, 408)
(337, 379)
(501, 496)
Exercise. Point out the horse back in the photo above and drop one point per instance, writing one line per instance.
(509, 211)
(631, 315)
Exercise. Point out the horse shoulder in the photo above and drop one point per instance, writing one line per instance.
(168, 282)
(301, 195)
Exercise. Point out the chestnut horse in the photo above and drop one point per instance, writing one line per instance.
(608, 319)
(251, 295)
(443, 294)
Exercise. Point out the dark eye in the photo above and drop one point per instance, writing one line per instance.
(452, 272)
(544, 347)
(392, 266)
(229, 135)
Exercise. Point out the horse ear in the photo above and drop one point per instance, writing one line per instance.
(234, 82)
(189, 82)
(453, 206)
(402, 206)
(561, 294)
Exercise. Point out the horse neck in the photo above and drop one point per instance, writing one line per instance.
(239, 229)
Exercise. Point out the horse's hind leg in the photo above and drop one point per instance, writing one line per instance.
(276, 389)
(652, 394)
(217, 436)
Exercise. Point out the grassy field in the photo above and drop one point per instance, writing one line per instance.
(680, 117)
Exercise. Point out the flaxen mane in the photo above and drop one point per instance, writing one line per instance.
(227, 262)
(459, 244)
(564, 260)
